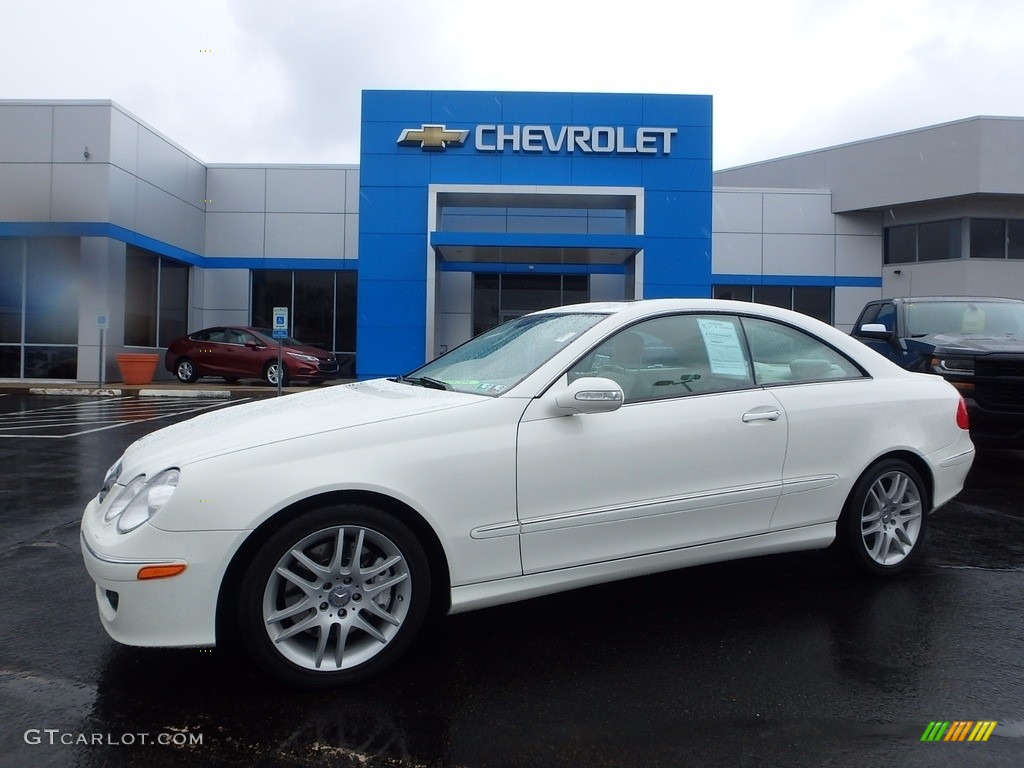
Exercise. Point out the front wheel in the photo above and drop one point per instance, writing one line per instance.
(882, 528)
(272, 371)
(334, 597)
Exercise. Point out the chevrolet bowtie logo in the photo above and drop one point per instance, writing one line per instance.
(431, 137)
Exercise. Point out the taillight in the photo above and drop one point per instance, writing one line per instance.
(962, 419)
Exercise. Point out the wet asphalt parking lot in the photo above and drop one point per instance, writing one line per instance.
(779, 661)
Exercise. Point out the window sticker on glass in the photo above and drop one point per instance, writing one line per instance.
(974, 320)
(725, 354)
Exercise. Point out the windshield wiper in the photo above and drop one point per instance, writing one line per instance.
(426, 381)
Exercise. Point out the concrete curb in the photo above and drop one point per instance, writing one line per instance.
(222, 393)
(75, 391)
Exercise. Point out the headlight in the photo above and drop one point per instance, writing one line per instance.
(307, 358)
(957, 366)
(125, 497)
(140, 500)
(110, 480)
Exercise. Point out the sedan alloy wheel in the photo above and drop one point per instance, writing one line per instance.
(272, 371)
(185, 370)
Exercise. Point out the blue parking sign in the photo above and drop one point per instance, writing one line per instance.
(280, 322)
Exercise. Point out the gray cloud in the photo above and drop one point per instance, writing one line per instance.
(280, 81)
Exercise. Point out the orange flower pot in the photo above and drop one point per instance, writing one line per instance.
(137, 368)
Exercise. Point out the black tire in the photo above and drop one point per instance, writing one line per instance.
(328, 623)
(185, 370)
(883, 525)
(270, 373)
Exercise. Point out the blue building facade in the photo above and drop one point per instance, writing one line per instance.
(514, 200)
(468, 209)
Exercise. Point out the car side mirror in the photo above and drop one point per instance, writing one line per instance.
(253, 345)
(876, 331)
(591, 394)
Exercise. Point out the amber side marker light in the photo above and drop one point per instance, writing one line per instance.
(159, 571)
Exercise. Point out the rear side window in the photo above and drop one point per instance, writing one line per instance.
(209, 334)
(784, 355)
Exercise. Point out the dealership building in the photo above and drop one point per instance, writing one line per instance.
(468, 209)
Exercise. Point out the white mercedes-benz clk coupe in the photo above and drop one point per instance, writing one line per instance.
(565, 448)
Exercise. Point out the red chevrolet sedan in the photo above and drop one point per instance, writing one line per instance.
(241, 352)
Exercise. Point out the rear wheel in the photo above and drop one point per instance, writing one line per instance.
(185, 370)
(883, 525)
(334, 597)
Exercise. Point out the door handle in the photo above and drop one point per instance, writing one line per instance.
(770, 414)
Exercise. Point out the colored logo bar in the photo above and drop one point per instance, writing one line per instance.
(959, 730)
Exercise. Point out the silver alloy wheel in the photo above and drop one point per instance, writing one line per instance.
(337, 598)
(185, 371)
(891, 518)
(272, 373)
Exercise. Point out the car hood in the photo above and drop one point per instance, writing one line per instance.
(274, 420)
(973, 342)
(303, 349)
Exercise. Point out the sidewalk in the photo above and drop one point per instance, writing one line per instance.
(212, 387)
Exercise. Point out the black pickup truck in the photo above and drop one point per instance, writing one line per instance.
(975, 343)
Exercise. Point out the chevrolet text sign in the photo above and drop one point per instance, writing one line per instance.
(600, 139)
(574, 138)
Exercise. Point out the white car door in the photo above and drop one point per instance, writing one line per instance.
(835, 420)
(694, 455)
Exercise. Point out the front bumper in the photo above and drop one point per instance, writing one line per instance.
(175, 611)
(995, 429)
(312, 371)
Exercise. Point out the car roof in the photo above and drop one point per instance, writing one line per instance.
(643, 307)
(975, 299)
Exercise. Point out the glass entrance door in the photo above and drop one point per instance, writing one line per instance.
(501, 297)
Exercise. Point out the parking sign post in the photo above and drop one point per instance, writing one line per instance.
(280, 332)
(101, 323)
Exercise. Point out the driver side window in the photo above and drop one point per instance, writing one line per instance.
(672, 356)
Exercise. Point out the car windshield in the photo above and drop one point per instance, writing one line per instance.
(500, 358)
(287, 341)
(987, 318)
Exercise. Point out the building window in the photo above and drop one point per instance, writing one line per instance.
(997, 238)
(1015, 239)
(321, 307)
(988, 239)
(939, 241)
(38, 308)
(934, 241)
(156, 299)
(553, 220)
(503, 297)
(813, 300)
(901, 245)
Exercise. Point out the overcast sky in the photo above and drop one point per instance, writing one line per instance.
(279, 81)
